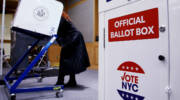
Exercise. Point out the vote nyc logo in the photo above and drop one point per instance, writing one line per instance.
(130, 88)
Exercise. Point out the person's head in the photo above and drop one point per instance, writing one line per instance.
(66, 16)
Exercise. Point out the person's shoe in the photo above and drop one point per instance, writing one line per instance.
(71, 84)
(59, 83)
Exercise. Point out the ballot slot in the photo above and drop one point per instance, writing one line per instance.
(106, 5)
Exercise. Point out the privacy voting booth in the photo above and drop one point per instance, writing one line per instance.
(139, 49)
(38, 18)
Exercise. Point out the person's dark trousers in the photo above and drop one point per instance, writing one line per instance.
(60, 80)
(71, 82)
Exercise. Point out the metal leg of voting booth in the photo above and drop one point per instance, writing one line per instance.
(13, 90)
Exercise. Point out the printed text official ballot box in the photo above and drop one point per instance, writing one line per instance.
(40, 17)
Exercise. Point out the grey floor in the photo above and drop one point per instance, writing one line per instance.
(87, 88)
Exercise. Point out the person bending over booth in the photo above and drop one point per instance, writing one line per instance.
(74, 56)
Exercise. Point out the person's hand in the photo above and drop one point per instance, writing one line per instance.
(66, 16)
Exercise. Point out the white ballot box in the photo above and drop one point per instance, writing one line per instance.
(38, 16)
(139, 49)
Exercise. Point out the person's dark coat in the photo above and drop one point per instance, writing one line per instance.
(73, 57)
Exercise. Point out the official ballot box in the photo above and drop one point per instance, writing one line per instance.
(139, 49)
(38, 16)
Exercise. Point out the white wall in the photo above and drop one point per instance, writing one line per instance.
(7, 36)
(82, 17)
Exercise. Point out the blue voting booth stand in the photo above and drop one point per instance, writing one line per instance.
(38, 18)
(13, 90)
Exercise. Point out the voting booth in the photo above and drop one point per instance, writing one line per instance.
(139, 49)
(38, 18)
